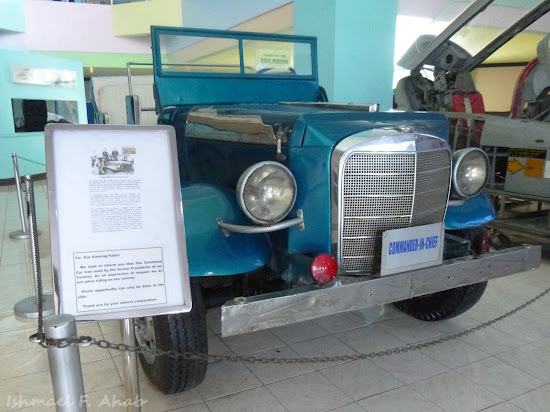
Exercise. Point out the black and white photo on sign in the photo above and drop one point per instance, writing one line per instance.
(111, 160)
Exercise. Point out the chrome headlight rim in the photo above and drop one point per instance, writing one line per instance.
(457, 158)
(243, 179)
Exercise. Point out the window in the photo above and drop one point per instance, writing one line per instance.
(32, 115)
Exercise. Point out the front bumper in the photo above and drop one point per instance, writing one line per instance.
(357, 292)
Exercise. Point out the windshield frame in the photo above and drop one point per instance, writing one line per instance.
(240, 36)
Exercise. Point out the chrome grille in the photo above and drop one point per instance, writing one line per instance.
(381, 191)
(432, 187)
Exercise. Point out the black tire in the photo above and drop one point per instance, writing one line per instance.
(443, 305)
(181, 332)
(453, 302)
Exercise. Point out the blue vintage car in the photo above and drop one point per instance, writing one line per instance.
(296, 208)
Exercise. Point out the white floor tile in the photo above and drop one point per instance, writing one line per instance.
(454, 353)
(399, 400)
(22, 391)
(8, 323)
(492, 341)
(100, 375)
(410, 366)
(542, 344)
(522, 328)
(311, 392)
(320, 347)
(409, 329)
(217, 347)
(504, 407)
(380, 313)
(157, 401)
(530, 359)
(17, 340)
(454, 393)
(352, 407)
(199, 407)
(273, 372)
(369, 339)
(534, 401)
(111, 399)
(252, 342)
(455, 324)
(359, 379)
(507, 299)
(23, 363)
(500, 378)
(253, 400)
(483, 312)
(299, 332)
(341, 322)
(226, 378)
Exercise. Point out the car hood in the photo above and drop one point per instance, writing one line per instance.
(307, 124)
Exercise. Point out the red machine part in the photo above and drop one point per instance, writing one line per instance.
(519, 87)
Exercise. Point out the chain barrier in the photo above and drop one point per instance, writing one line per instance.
(32, 161)
(88, 341)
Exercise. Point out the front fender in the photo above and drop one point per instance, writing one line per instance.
(476, 211)
(209, 252)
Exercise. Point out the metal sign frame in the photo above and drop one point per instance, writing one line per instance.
(130, 255)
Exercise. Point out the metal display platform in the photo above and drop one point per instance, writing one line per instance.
(522, 215)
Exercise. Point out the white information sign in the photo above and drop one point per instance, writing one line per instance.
(273, 58)
(41, 76)
(412, 248)
(118, 241)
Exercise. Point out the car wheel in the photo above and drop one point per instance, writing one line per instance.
(453, 302)
(180, 332)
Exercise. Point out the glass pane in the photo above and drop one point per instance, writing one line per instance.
(199, 54)
(491, 23)
(523, 47)
(33, 115)
(274, 57)
(415, 19)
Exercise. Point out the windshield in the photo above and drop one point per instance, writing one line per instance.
(195, 54)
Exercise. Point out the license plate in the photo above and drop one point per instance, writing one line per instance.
(412, 248)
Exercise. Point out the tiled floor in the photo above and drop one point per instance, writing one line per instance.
(503, 368)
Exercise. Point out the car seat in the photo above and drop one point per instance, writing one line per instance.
(530, 99)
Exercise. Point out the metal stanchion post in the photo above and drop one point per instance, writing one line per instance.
(23, 233)
(28, 308)
(65, 368)
(130, 366)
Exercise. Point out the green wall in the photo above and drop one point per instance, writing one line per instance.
(104, 60)
(31, 144)
(12, 16)
(355, 47)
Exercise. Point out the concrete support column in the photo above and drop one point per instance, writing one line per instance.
(355, 47)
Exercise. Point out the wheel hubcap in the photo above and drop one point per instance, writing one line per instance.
(145, 335)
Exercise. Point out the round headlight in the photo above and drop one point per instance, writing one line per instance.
(266, 192)
(470, 171)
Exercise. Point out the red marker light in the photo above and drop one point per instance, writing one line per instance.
(324, 268)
